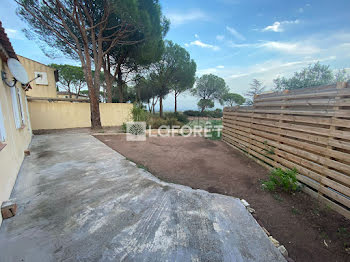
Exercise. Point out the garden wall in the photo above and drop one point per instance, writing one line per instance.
(307, 129)
(45, 115)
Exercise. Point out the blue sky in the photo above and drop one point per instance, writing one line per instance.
(238, 39)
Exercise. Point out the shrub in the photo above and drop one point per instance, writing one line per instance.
(280, 179)
(180, 117)
(156, 122)
(192, 113)
(123, 129)
(139, 114)
(217, 113)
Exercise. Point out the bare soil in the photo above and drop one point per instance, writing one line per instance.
(310, 231)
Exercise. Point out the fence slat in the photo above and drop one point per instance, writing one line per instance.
(305, 129)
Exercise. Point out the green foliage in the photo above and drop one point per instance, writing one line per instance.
(313, 75)
(215, 135)
(205, 103)
(280, 179)
(139, 114)
(71, 78)
(210, 87)
(169, 72)
(231, 99)
(217, 113)
(178, 116)
(256, 88)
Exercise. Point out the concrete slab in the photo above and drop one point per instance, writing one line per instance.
(79, 200)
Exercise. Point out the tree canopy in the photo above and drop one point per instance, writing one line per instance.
(231, 99)
(209, 87)
(313, 75)
(88, 30)
(205, 103)
(71, 78)
(256, 88)
(169, 71)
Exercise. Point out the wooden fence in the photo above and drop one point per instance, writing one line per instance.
(307, 129)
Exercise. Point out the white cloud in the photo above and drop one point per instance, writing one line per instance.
(220, 37)
(279, 26)
(196, 36)
(235, 33)
(298, 48)
(204, 45)
(220, 66)
(14, 34)
(181, 18)
(290, 47)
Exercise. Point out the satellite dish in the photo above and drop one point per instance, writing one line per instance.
(17, 70)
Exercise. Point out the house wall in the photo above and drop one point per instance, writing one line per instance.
(38, 90)
(60, 115)
(16, 141)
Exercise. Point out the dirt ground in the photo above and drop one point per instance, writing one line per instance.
(309, 231)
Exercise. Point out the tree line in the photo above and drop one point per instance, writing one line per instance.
(310, 76)
(122, 51)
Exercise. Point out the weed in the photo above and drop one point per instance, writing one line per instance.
(214, 135)
(142, 166)
(323, 235)
(277, 197)
(295, 211)
(342, 232)
(280, 179)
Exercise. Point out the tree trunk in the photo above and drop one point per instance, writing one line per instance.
(107, 74)
(161, 106)
(175, 103)
(120, 84)
(94, 104)
(92, 87)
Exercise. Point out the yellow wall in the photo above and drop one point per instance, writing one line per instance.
(32, 66)
(17, 140)
(61, 115)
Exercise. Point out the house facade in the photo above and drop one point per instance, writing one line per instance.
(43, 86)
(15, 128)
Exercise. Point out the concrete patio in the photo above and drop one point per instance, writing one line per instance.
(81, 201)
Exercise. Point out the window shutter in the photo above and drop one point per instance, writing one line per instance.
(15, 107)
(2, 127)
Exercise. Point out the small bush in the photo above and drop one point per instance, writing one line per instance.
(180, 117)
(280, 179)
(156, 122)
(139, 114)
(124, 128)
(192, 113)
(217, 113)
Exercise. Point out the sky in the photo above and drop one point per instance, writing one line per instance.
(238, 40)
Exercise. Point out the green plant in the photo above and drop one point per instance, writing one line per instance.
(180, 117)
(139, 114)
(295, 211)
(280, 179)
(277, 197)
(123, 128)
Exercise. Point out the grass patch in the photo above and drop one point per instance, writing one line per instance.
(142, 166)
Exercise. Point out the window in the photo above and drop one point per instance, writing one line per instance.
(2, 127)
(17, 106)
